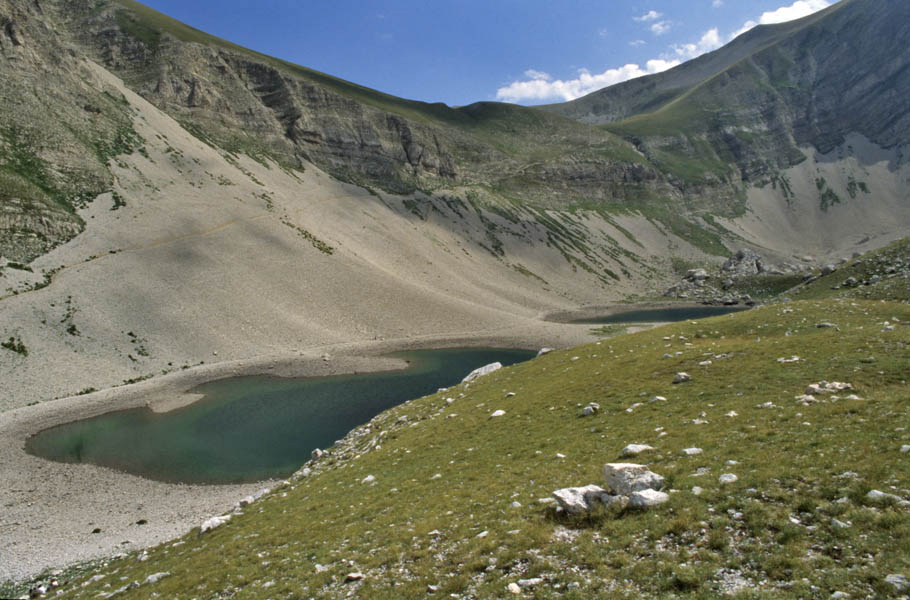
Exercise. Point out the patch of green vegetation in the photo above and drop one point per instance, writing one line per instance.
(775, 530)
(744, 136)
(124, 140)
(854, 186)
(528, 273)
(764, 286)
(23, 173)
(681, 265)
(19, 266)
(700, 166)
(139, 29)
(415, 207)
(828, 198)
(119, 201)
(14, 344)
(609, 330)
(780, 179)
(705, 240)
(236, 164)
(315, 241)
(883, 274)
(678, 116)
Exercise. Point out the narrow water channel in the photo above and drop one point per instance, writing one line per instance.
(254, 428)
(662, 315)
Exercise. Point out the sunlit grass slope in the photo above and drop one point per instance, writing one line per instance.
(440, 512)
(882, 274)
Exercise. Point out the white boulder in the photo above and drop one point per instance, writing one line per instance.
(900, 583)
(635, 449)
(214, 522)
(682, 377)
(590, 410)
(481, 371)
(580, 500)
(880, 496)
(624, 478)
(647, 498)
(156, 577)
(827, 387)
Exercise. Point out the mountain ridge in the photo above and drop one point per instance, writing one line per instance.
(807, 88)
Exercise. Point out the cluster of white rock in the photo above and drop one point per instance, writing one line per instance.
(824, 388)
(627, 484)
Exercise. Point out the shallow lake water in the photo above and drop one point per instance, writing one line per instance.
(663, 315)
(254, 428)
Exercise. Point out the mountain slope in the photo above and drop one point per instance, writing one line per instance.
(499, 211)
(228, 240)
(796, 523)
(772, 91)
(648, 94)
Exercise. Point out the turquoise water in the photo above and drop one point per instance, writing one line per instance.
(254, 428)
(663, 315)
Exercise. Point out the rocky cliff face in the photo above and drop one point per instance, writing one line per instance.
(682, 146)
(246, 102)
(753, 103)
(59, 129)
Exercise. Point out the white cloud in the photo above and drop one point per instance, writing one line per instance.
(651, 15)
(709, 41)
(532, 74)
(797, 10)
(717, 3)
(661, 27)
(540, 89)
(541, 86)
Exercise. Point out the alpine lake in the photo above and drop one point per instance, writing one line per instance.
(667, 314)
(258, 427)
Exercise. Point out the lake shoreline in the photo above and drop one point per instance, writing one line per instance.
(53, 508)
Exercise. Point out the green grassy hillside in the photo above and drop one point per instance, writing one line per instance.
(440, 512)
(883, 274)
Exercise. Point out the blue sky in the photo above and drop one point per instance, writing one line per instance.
(464, 51)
